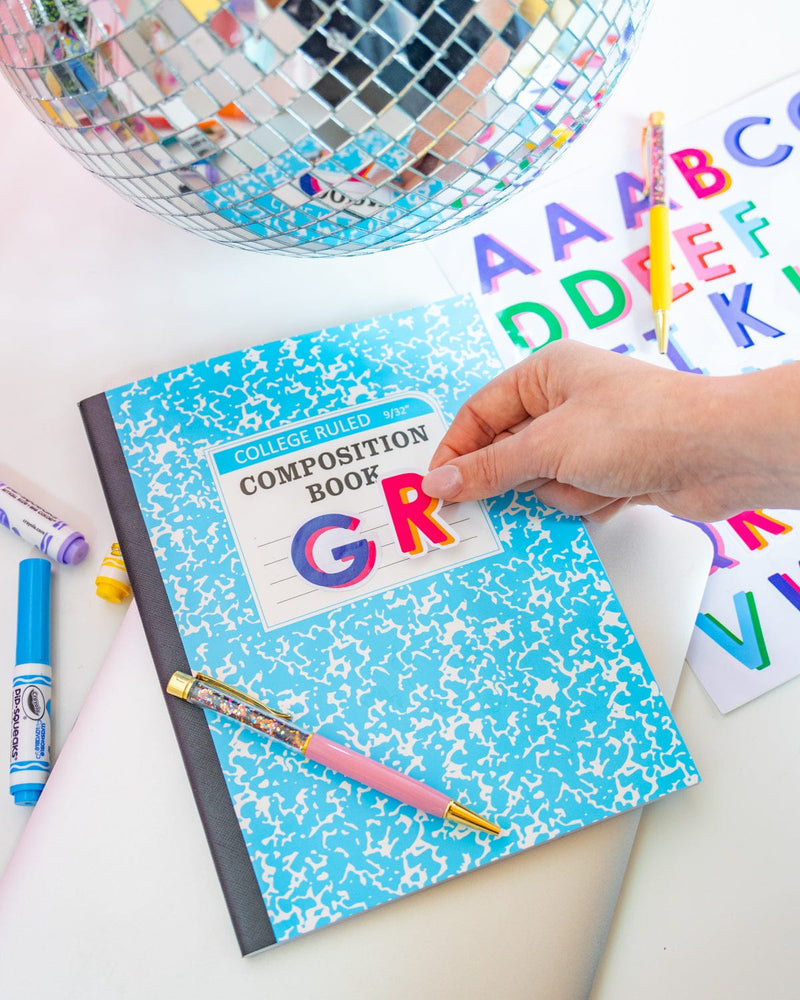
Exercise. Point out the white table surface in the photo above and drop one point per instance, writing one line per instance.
(94, 293)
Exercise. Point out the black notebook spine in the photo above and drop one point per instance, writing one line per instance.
(239, 884)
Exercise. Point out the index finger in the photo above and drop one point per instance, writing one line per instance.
(495, 409)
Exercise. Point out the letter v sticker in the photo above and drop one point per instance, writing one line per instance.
(751, 649)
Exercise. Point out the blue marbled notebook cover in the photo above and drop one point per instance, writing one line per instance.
(507, 676)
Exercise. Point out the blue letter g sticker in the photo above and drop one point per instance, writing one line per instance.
(320, 560)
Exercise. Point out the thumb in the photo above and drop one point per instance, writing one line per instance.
(489, 471)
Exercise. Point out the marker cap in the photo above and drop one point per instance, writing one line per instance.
(74, 550)
(26, 795)
(33, 612)
(111, 590)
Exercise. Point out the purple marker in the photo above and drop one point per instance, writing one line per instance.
(33, 524)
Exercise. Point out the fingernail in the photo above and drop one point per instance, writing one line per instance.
(444, 482)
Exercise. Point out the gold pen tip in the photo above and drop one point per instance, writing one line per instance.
(468, 817)
(661, 318)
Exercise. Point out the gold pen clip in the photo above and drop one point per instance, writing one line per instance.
(224, 688)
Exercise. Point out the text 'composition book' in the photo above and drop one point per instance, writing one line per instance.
(268, 507)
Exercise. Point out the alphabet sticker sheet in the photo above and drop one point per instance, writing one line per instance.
(573, 261)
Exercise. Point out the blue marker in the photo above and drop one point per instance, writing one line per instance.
(30, 695)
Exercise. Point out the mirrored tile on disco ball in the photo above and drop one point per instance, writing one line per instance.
(316, 126)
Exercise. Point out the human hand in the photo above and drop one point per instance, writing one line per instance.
(589, 431)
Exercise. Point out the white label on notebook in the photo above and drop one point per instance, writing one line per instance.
(329, 510)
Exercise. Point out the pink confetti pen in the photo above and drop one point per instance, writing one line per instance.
(205, 692)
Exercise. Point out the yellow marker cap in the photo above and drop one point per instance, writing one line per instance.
(112, 590)
(112, 583)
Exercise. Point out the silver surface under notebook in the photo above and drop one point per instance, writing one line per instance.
(112, 891)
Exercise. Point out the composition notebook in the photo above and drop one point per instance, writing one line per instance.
(268, 507)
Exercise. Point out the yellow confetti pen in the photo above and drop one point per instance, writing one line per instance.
(660, 265)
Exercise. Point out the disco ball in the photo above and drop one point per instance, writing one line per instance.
(316, 126)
